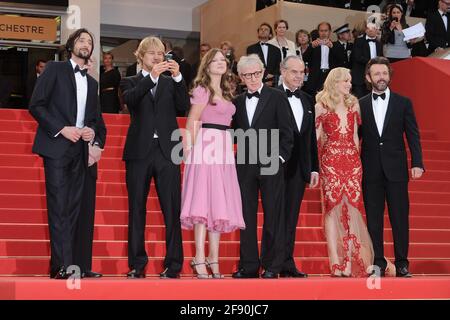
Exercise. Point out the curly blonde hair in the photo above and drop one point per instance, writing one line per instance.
(329, 96)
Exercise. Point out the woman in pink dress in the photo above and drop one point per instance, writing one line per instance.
(211, 199)
(337, 119)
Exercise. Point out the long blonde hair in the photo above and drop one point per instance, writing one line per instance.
(204, 80)
(329, 96)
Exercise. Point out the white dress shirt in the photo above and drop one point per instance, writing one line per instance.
(296, 107)
(153, 90)
(325, 54)
(265, 50)
(373, 47)
(250, 105)
(444, 18)
(379, 107)
(82, 87)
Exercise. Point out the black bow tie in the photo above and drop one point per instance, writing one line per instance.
(382, 96)
(264, 44)
(81, 71)
(295, 93)
(371, 40)
(251, 95)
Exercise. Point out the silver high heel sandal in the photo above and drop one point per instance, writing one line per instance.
(194, 269)
(214, 275)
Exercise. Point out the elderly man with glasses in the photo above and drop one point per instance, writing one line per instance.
(265, 140)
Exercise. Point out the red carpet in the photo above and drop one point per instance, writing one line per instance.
(314, 288)
(24, 244)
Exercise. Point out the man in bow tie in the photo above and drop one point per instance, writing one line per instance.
(386, 117)
(303, 166)
(438, 27)
(153, 100)
(64, 103)
(262, 115)
(365, 48)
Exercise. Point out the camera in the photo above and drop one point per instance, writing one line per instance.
(168, 56)
(394, 19)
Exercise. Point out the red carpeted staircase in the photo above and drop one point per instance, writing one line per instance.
(24, 244)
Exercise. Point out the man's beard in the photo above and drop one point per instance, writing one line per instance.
(381, 85)
(82, 54)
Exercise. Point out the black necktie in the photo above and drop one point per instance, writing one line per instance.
(251, 95)
(295, 93)
(445, 15)
(81, 71)
(382, 96)
(264, 44)
(371, 40)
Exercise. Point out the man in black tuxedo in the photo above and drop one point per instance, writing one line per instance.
(84, 234)
(386, 117)
(342, 49)
(438, 27)
(365, 48)
(320, 58)
(204, 48)
(260, 113)
(268, 53)
(153, 100)
(32, 77)
(65, 104)
(303, 166)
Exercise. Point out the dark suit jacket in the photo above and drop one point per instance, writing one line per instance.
(150, 113)
(54, 106)
(387, 154)
(273, 57)
(342, 56)
(272, 112)
(100, 138)
(131, 70)
(304, 153)
(360, 57)
(436, 34)
(314, 57)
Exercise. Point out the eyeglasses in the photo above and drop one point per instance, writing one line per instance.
(255, 74)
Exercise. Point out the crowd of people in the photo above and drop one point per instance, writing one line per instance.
(286, 139)
(301, 112)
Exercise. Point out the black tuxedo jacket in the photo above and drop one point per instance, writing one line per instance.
(272, 112)
(342, 56)
(131, 70)
(150, 113)
(360, 57)
(100, 138)
(304, 153)
(387, 154)
(54, 106)
(436, 34)
(314, 57)
(273, 57)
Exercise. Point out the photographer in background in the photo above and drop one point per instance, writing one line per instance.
(395, 47)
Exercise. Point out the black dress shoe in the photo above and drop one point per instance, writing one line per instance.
(136, 274)
(269, 275)
(242, 274)
(293, 274)
(403, 273)
(60, 274)
(91, 274)
(169, 274)
(374, 274)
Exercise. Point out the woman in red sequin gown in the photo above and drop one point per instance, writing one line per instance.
(337, 119)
